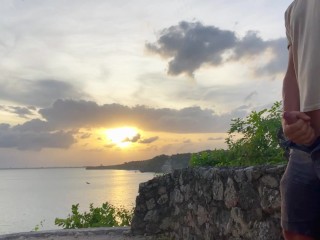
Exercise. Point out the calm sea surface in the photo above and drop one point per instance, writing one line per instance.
(31, 196)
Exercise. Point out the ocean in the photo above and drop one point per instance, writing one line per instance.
(31, 197)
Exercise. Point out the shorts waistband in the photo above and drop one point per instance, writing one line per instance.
(313, 149)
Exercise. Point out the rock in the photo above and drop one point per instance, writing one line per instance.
(151, 204)
(163, 199)
(270, 181)
(217, 189)
(230, 194)
(212, 203)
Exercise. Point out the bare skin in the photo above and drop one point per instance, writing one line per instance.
(304, 130)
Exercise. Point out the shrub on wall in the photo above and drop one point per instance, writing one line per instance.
(105, 216)
(252, 140)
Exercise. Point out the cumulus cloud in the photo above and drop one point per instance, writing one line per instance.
(80, 114)
(41, 93)
(190, 45)
(61, 122)
(34, 125)
(279, 59)
(34, 135)
(29, 140)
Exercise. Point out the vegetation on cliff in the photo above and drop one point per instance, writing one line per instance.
(156, 164)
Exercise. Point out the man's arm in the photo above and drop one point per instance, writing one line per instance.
(298, 131)
(290, 89)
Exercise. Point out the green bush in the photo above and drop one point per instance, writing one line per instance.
(217, 157)
(252, 140)
(105, 216)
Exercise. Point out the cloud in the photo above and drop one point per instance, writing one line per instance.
(215, 139)
(61, 123)
(80, 114)
(191, 45)
(85, 135)
(23, 112)
(4, 126)
(279, 60)
(249, 46)
(111, 145)
(149, 140)
(29, 140)
(250, 96)
(40, 93)
(132, 139)
(34, 125)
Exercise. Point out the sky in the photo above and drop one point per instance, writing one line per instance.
(93, 82)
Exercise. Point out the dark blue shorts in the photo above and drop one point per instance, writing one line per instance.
(300, 193)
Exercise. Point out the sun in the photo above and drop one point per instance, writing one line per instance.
(122, 137)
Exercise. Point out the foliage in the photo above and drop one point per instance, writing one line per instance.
(38, 226)
(217, 157)
(105, 216)
(252, 140)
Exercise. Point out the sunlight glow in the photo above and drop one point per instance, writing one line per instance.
(122, 137)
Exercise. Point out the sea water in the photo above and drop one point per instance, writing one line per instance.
(31, 197)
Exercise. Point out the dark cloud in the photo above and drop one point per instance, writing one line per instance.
(149, 140)
(81, 114)
(132, 139)
(190, 45)
(23, 112)
(34, 125)
(85, 135)
(279, 60)
(40, 93)
(62, 121)
(4, 126)
(34, 135)
(28, 140)
(249, 46)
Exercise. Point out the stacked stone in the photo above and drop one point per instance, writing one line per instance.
(211, 203)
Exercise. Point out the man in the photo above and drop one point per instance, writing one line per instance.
(300, 185)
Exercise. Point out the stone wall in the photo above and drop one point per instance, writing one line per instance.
(211, 203)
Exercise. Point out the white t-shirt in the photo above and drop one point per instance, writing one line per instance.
(302, 20)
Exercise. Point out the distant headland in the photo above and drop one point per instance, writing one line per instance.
(160, 164)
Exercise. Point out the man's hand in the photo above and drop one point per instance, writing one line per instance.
(296, 127)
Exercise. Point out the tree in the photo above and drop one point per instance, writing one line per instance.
(252, 140)
(258, 142)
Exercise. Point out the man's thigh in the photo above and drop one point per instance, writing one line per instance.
(300, 196)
